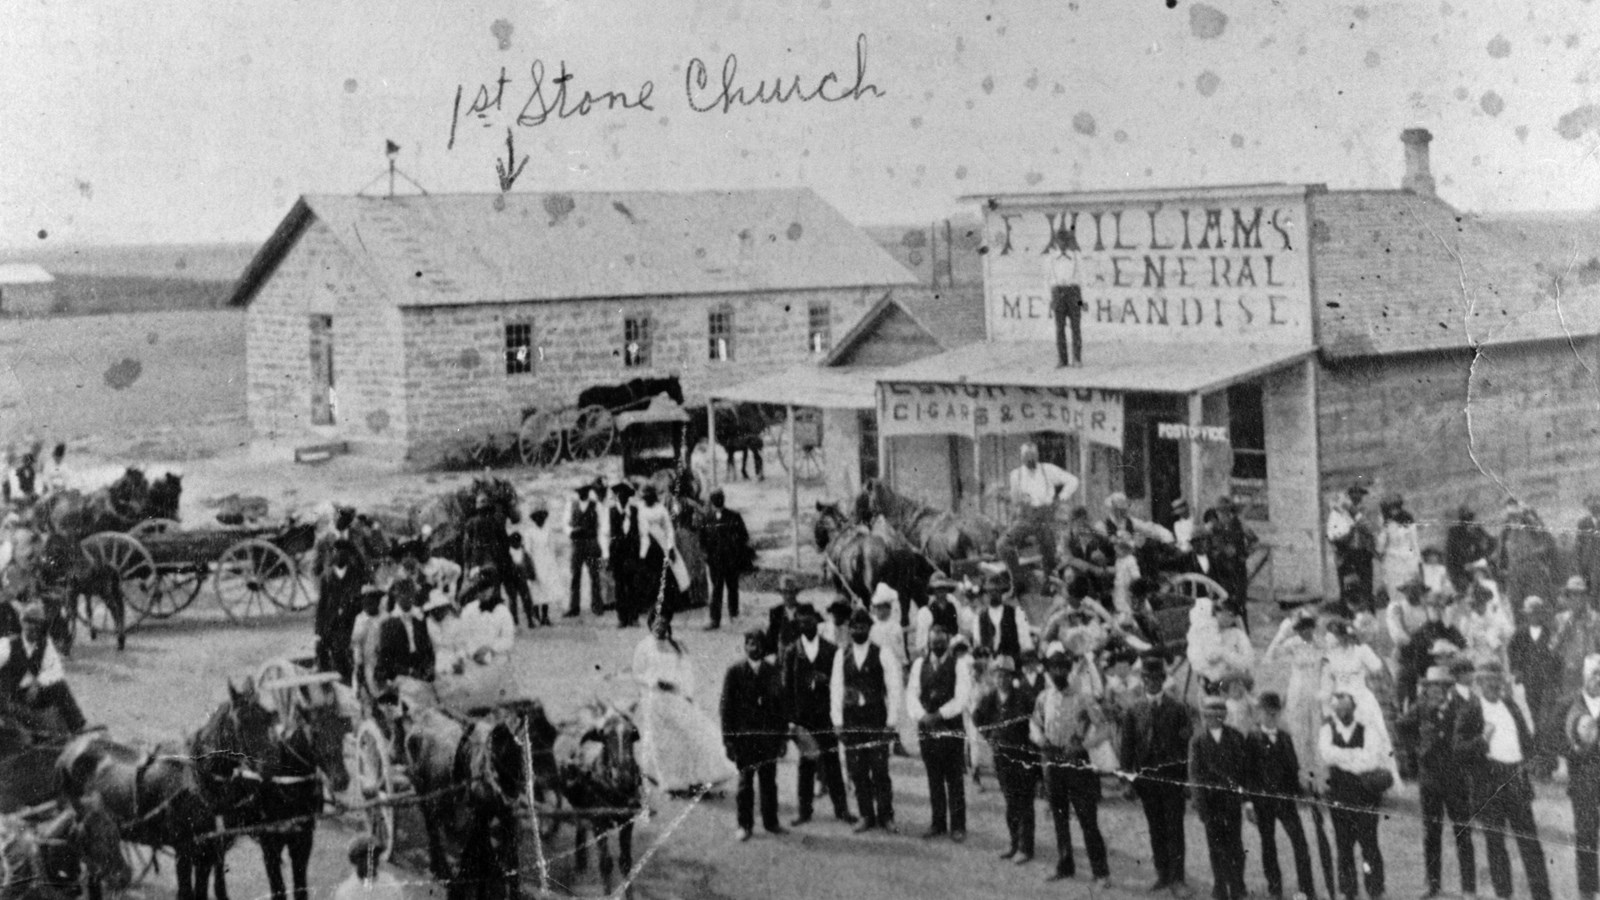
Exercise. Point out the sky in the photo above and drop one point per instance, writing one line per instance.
(155, 121)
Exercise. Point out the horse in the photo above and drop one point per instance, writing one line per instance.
(64, 571)
(739, 430)
(599, 772)
(228, 752)
(470, 776)
(306, 753)
(61, 856)
(859, 558)
(634, 394)
(944, 538)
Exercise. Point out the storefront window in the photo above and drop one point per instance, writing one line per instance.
(1247, 432)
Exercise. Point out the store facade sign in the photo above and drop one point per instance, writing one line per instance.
(965, 409)
(1205, 434)
(1225, 268)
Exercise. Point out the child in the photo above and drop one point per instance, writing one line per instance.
(1435, 577)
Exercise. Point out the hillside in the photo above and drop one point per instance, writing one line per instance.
(100, 280)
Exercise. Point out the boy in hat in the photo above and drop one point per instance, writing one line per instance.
(1272, 776)
(1431, 726)
(1217, 776)
(1065, 726)
(942, 609)
(1155, 752)
(622, 550)
(783, 624)
(1002, 718)
(1354, 545)
(865, 706)
(1231, 542)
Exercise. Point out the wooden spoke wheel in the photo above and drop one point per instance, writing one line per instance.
(154, 526)
(539, 439)
(374, 780)
(254, 579)
(591, 433)
(305, 583)
(1195, 585)
(141, 580)
(281, 700)
(179, 588)
(809, 464)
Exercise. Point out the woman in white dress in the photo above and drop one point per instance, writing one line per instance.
(1296, 644)
(1349, 666)
(680, 748)
(1398, 548)
(546, 586)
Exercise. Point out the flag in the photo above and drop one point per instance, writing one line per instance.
(390, 147)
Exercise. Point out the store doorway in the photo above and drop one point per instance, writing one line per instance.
(1165, 473)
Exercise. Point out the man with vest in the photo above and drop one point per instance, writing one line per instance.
(1494, 747)
(583, 527)
(404, 647)
(864, 700)
(807, 670)
(1343, 747)
(1002, 716)
(32, 680)
(1067, 724)
(941, 609)
(1035, 488)
(1003, 627)
(1441, 788)
(937, 694)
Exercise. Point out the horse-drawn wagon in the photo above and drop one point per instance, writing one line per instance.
(587, 429)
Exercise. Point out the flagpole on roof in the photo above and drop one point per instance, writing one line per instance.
(392, 150)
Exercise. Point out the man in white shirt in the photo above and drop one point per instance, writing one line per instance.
(1582, 750)
(945, 608)
(1003, 627)
(1344, 748)
(864, 700)
(1035, 489)
(938, 692)
(32, 679)
(1495, 743)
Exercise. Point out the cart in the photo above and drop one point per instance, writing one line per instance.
(652, 438)
(254, 571)
(587, 429)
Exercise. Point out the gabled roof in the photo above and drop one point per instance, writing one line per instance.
(438, 250)
(952, 317)
(24, 273)
(1396, 272)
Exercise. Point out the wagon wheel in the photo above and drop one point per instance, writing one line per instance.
(280, 699)
(591, 433)
(254, 579)
(153, 526)
(810, 464)
(1194, 586)
(179, 588)
(775, 437)
(539, 439)
(141, 580)
(305, 589)
(374, 778)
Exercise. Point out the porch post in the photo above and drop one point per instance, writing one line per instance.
(794, 491)
(883, 440)
(977, 464)
(711, 438)
(1196, 460)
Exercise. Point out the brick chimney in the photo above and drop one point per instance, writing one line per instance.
(1418, 179)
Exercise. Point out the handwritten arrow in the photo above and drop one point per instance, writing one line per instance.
(510, 168)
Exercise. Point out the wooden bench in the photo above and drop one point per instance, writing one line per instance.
(317, 453)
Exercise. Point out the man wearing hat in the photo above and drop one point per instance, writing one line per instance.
(1354, 544)
(1217, 778)
(1230, 543)
(1534, 663)
(755, 730)
(865, 704)
(728, 554)
(941, 609)
(1035, 488)
(783, 620)
(1272, 774)
(1577, 628)
(32, 679)
(1581, 739)
(1002, 716)
(1422, 645)
(1065, 726)
(938, 693)
(1465, 542)
(1003, 627)
(886, 630)
(343, 529)
(1431, 726)
(404, 646)
(1494, 746)
(807, 670)
(1155, 753)
(1353, 795)
(338, 602)
(622, 552)
(583, 530)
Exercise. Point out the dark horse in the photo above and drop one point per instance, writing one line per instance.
(600, 778)
(739, 430)
(858, 559)
(66, 575)
(168, 800)
(57, 857)
(635, 394)
(129, 500)
(944, 538)
(306, 753)
(470, 774)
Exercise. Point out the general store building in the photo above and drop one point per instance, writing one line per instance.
(407, 325)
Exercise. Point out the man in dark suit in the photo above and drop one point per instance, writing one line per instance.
(1217, 775)
(1155, 753)
(937, 693)
(864, 703)
(727, 544)
(783, 620)
(807, 668)
(338, 603)
(1494, 747)
(1273, 780)
(1582, 740)
(1535, 664)
(1431, 727)
(583, 530)
(755, 730)
(404, 647)
(623, 549)
(1002, 716)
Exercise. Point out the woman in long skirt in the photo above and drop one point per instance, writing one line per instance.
(1296, 644)
(657, 538)
(1350, 667)
(680, 747)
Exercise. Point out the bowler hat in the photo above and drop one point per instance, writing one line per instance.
(1492, 667)
(33, 612)
(942, 584)
(1270, 701)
